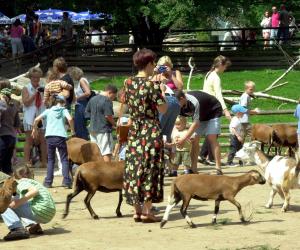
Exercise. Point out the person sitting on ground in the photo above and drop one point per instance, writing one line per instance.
(32, 205)
(56, 135)
(183, 153)
(55, 87)
(236, 133)
(100, 111)
(245, 101)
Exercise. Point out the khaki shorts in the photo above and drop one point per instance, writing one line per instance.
(182, 158)
(104, 142)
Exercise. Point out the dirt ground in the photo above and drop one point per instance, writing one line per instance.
(268, 229)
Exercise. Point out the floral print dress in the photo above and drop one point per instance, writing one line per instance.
(144, 167)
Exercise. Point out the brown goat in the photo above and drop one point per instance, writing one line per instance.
(284, 136)
(8, 189)
(262, 133)
(81, 151)
(208, 187)
(97, 176)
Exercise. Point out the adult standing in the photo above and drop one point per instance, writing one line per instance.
(32, 98)
(284, 20)
(82, 94)
(144, 169)
(61, 68)
(274, 24)
(206, 111)
(266, 23)
(16, 32)
(212, 86)
(10, 122)
(173, 81)
(66, 26)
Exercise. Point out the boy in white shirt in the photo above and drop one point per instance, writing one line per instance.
(245, 100)
(236, 130)
(183, 153)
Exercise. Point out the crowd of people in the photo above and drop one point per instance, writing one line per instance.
(157, 113)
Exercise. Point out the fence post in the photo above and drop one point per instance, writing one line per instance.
(244, 38)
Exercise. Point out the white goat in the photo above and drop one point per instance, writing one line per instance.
(282, 173)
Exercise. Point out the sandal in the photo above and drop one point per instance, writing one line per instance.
(137, 217)
(150, 218)
(219, 171)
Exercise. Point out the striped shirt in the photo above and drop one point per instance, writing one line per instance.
(42, 205)
(55, 87)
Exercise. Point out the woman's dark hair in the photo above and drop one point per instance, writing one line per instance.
(111, 88)
(17, 22)
(142, 57)
(179, 94)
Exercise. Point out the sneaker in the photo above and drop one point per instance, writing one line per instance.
(58, 173)
(232, 165)
(35, 229)
(173, 174)
(47, 185)
(17, 234)
(67, 186)
(203, 161)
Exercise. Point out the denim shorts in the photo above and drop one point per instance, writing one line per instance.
(210, 127)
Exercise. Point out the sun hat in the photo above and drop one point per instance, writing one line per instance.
(237, 108)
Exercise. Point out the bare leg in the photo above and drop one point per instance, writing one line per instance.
(107, 158)
(270, 202)
(43, 149)
(217, 206)
(194, 153)
(28, 146)
(215, 147)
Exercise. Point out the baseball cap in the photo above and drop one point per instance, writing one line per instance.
(237, 108)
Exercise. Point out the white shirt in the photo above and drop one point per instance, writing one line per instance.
(95, 40)
(79, 90)
(236, 123)
(212, 86)
(245, 102)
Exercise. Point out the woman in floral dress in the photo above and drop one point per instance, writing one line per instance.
(144, 169)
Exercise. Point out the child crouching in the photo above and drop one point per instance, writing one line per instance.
(33, 203)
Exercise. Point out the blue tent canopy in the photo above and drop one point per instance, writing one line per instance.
(4, 19)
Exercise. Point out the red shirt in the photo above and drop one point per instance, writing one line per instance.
(275, 20)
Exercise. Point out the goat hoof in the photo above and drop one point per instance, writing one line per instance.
(284, 209)
(268, 206)
(214, 221)
(162, 223)
(119, 214)
(95, 217)
(64, 216)
(243, 220)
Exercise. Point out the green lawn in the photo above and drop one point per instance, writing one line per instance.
(235, 80)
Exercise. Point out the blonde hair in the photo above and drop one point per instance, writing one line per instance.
(34, 71)
(249, 84)
(23, 172)
(220, 60)
(180, 120)
(60, 65)
(76, 73)
(165, 60)
(52, 75)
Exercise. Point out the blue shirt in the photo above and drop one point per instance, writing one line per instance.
(297, 115)
(55, 121)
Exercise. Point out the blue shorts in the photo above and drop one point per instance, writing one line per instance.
(210, 127)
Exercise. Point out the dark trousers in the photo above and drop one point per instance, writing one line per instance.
(7, 146)
(81, 130)
(58, 142)
(206, 151)
(283, 33)
(235, 145)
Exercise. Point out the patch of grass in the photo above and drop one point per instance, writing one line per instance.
(224, 221)
(235, 80)
(275, 232)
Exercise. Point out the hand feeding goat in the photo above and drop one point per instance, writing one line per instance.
(102, 176)
(282, 173)
(209, 187)
(8, 189)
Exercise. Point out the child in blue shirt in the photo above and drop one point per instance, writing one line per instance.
(56, 136)
(297, 115)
